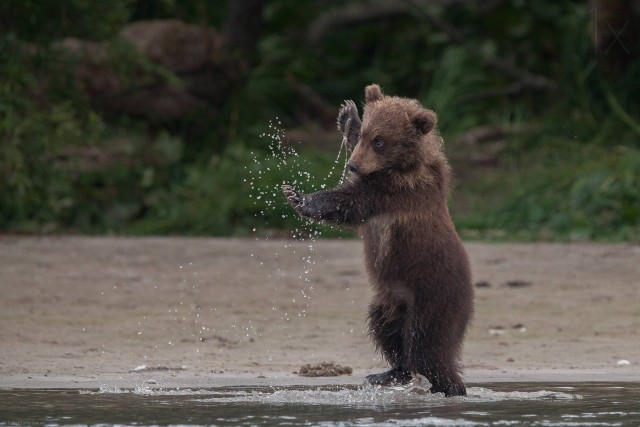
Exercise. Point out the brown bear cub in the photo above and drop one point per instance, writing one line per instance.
(396, 195)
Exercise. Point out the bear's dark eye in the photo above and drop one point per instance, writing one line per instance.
(377, 143)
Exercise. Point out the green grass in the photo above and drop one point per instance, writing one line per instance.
(565, 190)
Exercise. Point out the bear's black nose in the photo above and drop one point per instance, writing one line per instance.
(352, 167)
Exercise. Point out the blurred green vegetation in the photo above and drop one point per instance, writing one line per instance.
(567, 165)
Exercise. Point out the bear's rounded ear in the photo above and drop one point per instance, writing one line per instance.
(372, 93)
(424, 120)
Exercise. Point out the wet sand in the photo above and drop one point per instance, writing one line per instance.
(84, 312)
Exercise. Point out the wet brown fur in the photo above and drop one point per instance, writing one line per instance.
(418, 268)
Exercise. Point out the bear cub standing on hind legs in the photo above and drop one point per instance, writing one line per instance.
(396, 195)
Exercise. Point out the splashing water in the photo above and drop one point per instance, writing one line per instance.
(527, 404)
(268, 170)
(362, 396)
(282, 164)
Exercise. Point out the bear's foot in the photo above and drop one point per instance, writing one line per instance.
(450, 390)
(396, 375)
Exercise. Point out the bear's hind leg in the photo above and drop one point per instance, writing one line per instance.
(435, 357)
(450, 389)
(441, 369)
(385, 329)
(443, 376)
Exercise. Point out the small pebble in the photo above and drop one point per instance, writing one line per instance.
(623, 362)
(519, 327)
(518, 284)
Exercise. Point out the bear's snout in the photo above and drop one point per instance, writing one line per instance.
(352, 167)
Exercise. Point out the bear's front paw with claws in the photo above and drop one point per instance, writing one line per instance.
(294, 197)
(349, 123)
(348, 112)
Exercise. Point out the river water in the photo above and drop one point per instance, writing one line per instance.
(500, 404)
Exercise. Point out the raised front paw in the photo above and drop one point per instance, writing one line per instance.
(348, 110)
(293, 196)
(349, 122)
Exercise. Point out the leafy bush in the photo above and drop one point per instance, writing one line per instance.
(46, 21)
(39, 114)
(570, 169)
(238, 192)
(567, 192)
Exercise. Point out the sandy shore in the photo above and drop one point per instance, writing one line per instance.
(201, 312)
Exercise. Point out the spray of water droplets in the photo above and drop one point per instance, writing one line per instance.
(282, 164)
(266, 173)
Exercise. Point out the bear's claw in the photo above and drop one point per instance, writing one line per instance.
(349, 123)
(348, 110)
(294, 198)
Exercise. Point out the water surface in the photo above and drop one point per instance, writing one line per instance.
(528, 404)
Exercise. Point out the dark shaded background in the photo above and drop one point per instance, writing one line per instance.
(149, 116)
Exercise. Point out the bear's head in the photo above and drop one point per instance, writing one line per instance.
(395, 135)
